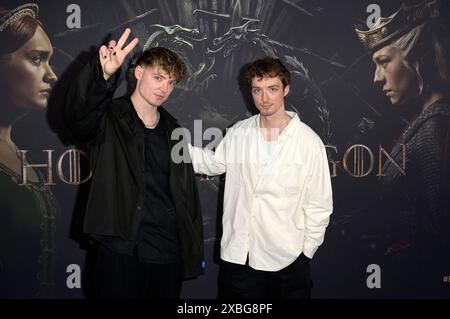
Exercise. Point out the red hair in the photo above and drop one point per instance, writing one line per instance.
(17, 33)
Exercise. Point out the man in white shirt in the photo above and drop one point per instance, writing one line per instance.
(278, 196)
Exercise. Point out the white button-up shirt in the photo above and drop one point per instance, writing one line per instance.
(278, 197)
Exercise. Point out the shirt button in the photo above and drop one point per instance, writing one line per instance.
(139, 207)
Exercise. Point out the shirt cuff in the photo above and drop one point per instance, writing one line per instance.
(309, 250)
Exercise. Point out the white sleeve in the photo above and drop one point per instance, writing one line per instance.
(208, 162)
(318, 203)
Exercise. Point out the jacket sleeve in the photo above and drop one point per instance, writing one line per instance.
(318, 204)
(87, 99)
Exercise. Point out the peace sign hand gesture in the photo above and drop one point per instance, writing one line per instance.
(112, 57)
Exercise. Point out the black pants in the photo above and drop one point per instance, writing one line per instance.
(122, 276)
(243, 282)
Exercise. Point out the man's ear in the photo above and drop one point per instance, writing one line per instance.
(138, 71)
(286, 90)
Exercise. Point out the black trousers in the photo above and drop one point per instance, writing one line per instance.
(243, 282)
(118, 276)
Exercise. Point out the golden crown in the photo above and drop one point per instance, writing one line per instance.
(28, 9)
(406, 18)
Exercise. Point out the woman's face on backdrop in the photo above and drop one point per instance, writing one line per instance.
(27, 77)
(398, 82)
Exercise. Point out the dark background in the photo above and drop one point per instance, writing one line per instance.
(331, 93)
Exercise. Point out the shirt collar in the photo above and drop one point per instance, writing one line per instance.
(289, 129)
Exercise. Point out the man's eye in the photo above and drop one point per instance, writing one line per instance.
(158, 78)
(256, 91)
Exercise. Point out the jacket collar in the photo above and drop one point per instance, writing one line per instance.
(127, 111)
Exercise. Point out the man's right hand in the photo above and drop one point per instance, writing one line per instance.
(112, 57)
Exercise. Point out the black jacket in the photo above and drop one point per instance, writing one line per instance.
(110, 130)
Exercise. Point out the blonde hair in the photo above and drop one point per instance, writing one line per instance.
(424, 51)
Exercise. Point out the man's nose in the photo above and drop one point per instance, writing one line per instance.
(165, 86)
(263, 96)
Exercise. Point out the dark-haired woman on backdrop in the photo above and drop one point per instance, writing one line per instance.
(27, 212)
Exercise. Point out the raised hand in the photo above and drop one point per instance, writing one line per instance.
(112, 57)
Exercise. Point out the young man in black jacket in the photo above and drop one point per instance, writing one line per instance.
(143, 208)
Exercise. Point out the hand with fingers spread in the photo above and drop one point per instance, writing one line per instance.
(112, 57)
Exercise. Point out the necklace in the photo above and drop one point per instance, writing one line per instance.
(156, 121)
